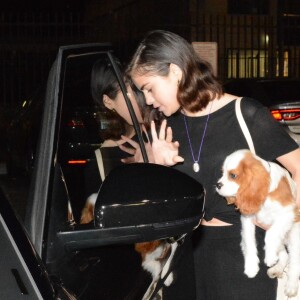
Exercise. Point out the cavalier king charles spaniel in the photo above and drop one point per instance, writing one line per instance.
(265, 192)
(156, 259)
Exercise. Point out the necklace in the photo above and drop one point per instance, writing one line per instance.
(196, 166)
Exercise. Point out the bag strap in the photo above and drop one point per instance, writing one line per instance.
(243, 125)
(100, 163)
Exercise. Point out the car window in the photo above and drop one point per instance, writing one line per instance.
(86, 126)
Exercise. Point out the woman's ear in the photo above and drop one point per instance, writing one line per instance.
(176, 71)
(108, 102)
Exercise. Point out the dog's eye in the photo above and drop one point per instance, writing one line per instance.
(232, 175)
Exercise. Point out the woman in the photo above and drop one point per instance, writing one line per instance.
(202, 121)
(107, 94)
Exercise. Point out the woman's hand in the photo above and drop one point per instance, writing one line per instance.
(135, 150)
(164, 150)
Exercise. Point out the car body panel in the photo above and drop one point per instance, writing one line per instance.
(25, 273)
(47, 147)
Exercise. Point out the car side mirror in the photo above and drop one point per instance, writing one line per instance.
(140, 202)
(154, 200)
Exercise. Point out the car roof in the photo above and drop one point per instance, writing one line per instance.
(268, 91)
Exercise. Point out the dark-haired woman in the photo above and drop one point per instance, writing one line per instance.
(202, 120)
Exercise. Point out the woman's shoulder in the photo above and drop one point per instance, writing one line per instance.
(228, 98)
(248, 105)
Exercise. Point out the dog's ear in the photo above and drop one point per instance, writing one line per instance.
(87, 214)
(254, 186)
(146, 247)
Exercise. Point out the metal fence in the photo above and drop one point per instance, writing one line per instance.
(251, 46)
(248, 46)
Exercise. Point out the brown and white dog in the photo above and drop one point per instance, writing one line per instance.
(156, 259)
(87, 213)
(156, 255)
(264, 191)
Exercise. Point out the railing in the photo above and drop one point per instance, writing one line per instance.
(251, 46)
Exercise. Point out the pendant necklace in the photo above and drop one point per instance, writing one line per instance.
(196, 166)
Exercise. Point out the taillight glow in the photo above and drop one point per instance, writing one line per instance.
(77, 162)
(75, 123)
(286, 114)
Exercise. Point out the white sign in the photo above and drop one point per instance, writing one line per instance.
(209, 52)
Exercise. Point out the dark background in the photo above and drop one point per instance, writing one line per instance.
(255, 38)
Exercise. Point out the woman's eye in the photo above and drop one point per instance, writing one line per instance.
(232, 176)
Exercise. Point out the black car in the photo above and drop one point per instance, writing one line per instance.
(281, 95)
(51, 256)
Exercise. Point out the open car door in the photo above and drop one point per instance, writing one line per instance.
(135, 203)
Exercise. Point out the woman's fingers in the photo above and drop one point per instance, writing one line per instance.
(128, 160)
(130, 141)
(169, 136)
(162, 131)
(128, 150)
(145, 134)
(178, 159)
(153, 131)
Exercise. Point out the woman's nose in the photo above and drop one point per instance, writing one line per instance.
(149, 99)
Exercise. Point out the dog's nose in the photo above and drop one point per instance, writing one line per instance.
(219, 185)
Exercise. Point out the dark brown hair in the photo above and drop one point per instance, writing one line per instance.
(104, 82)
(198, 85)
